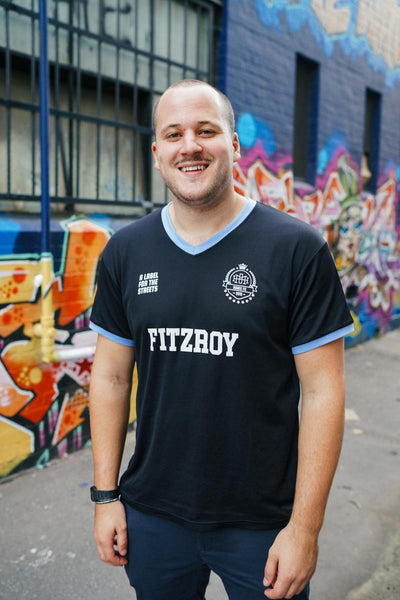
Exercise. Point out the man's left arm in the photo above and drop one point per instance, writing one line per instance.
(292, 558)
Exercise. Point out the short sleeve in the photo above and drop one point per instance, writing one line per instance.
(318, 309)
(108, 315)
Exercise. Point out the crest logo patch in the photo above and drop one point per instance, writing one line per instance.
(240, 284)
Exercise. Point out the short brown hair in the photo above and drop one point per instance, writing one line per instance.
(227, 106)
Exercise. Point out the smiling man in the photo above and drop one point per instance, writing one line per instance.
(227, 306)
(196, 165)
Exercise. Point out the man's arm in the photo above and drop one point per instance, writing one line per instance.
(110, 389)
(292, 558)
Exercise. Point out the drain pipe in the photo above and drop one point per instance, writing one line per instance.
(44, 127)
(45, 329)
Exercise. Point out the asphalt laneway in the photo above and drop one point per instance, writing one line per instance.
(48, 552)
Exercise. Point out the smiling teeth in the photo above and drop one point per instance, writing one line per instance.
(199, 168)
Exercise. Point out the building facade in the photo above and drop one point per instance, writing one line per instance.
(315, 85)
(316, 90)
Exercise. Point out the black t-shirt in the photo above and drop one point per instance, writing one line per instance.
(215, 328)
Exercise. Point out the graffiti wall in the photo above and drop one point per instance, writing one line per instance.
(355, 45)
(44, 407)
(362, 229)
(359, 27)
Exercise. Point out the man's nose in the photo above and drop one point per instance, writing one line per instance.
(190, 143)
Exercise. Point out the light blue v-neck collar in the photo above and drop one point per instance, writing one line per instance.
(214, 239)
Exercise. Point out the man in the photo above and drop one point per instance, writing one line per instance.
(225, 305)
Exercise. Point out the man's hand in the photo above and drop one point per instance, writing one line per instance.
(110, 533)
(292, 560)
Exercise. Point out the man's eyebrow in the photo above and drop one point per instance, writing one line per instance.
(173, 125)
(170, 126)
(207, 122)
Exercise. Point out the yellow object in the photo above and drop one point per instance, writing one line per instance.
(45, 329)
(357, 325)
(16, 445)
(35, 375)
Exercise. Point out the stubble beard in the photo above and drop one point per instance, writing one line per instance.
(211, 196)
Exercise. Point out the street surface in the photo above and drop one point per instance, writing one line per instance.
(48, 552)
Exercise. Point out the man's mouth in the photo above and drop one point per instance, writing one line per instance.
(190, 169)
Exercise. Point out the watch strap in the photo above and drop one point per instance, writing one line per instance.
(104, 496)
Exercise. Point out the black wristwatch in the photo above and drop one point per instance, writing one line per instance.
(103, 496)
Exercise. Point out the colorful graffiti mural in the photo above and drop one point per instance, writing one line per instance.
(360, 27)
(361, 229)
(44, 407)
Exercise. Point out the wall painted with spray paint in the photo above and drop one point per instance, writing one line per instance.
(360, 229)
(44, 407)
(355, 46)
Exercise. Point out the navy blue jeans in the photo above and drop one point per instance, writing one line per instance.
(167, 561)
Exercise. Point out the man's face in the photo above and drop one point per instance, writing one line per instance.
(194, 149)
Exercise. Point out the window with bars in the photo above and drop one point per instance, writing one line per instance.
(108, 62)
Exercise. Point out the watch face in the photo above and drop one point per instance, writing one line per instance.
(92, 493)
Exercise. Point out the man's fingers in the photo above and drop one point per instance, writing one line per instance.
(105, 549)
(299, 583)
(271, 570)
(280, 588)
(295, 589)
(109, 552)
(109, 555)
(287, 586)
(117, 560)
(122, 541)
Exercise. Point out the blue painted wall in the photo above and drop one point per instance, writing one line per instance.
(357, 46)
(259, 46)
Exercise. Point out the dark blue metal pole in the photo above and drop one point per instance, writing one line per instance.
(44, 126)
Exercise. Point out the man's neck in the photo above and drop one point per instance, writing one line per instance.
(197, 224)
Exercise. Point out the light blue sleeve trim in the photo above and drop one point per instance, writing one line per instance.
(178, 241)
(111, 336)
(325, 339)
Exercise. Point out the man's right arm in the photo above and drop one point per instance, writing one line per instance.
(110, 390)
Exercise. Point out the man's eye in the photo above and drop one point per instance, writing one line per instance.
(173, 135)
(206, 132)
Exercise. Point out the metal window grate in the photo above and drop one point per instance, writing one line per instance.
(108, 61)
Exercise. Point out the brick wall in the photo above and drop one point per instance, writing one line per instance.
(356, 48)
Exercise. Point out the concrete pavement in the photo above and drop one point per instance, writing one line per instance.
(48, 551)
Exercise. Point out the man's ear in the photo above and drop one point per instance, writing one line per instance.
(236, 147)
(154, 151)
